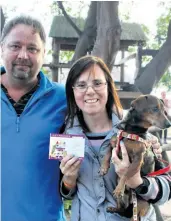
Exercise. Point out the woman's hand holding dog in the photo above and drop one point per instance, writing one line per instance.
(70, 166)
(121, 167)
(156, 146)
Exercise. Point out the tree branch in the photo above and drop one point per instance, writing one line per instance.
(2, 20)
(156, 67)
(60, 5)
(56, 66)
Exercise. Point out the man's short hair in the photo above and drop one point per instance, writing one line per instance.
(25, 20)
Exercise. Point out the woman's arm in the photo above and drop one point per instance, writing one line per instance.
(153, 189)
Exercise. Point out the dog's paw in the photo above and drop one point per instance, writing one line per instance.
(111, 210)
(103, 171)
(118, 192)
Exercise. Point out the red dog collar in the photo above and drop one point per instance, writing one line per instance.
(124, 134)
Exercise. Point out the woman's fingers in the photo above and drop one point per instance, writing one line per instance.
(69, 164)
(115, 158)
(121, 165)
(66, 159)
(125, 158)
(156, 146)
(124, 152)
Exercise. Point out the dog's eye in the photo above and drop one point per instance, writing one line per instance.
(155, 109)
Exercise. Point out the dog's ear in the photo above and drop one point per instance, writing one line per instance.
(131, 108)
(132, 105)
(140, 103)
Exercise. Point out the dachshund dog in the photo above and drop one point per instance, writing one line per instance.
(145, 111)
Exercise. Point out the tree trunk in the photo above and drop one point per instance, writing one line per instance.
(55, 59)
(102, 24)
(87, 38)
(108, 32)
(2, 20)
(156, 68)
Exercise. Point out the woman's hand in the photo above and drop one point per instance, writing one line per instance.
(70, 166)
(156, 146)
(122, 165)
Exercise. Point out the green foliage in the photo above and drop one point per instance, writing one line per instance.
(162, 24)
(67, 207)
(65, 56)
(45, 70)
(165, 80)
(162, 28)
(132, 49)
(145, 29)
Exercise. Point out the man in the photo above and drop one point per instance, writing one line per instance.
(32, 108)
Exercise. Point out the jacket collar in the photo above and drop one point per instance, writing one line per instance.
(77, 128)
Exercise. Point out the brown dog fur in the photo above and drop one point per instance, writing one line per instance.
(145, 111)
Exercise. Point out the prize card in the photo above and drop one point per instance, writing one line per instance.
(64, 144)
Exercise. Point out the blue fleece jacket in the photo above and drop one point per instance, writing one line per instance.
(30, 181)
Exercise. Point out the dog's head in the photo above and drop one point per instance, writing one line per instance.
(147, 111)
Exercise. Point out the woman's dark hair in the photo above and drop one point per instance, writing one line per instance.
(82, 64)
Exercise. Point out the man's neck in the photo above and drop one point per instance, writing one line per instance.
(17, 89)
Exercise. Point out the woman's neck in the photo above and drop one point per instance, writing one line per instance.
(98, 124)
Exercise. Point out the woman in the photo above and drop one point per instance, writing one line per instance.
(93, 110)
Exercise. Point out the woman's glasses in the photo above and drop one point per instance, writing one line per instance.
(83, 86)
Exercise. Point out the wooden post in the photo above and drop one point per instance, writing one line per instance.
(122, 67)
(55, 59)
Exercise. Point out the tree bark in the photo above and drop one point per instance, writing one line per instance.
(108, 32)
(156, 68)
(102, 29)
(2, 20)
(55, 60)
(88, 36)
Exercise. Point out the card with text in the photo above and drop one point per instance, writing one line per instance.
(64, 144)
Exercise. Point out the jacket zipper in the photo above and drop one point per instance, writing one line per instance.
(26, 107)
(18, 124)
(29, 106)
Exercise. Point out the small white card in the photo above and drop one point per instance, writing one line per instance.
(64, 144)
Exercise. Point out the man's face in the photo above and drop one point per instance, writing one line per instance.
(23, 53)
